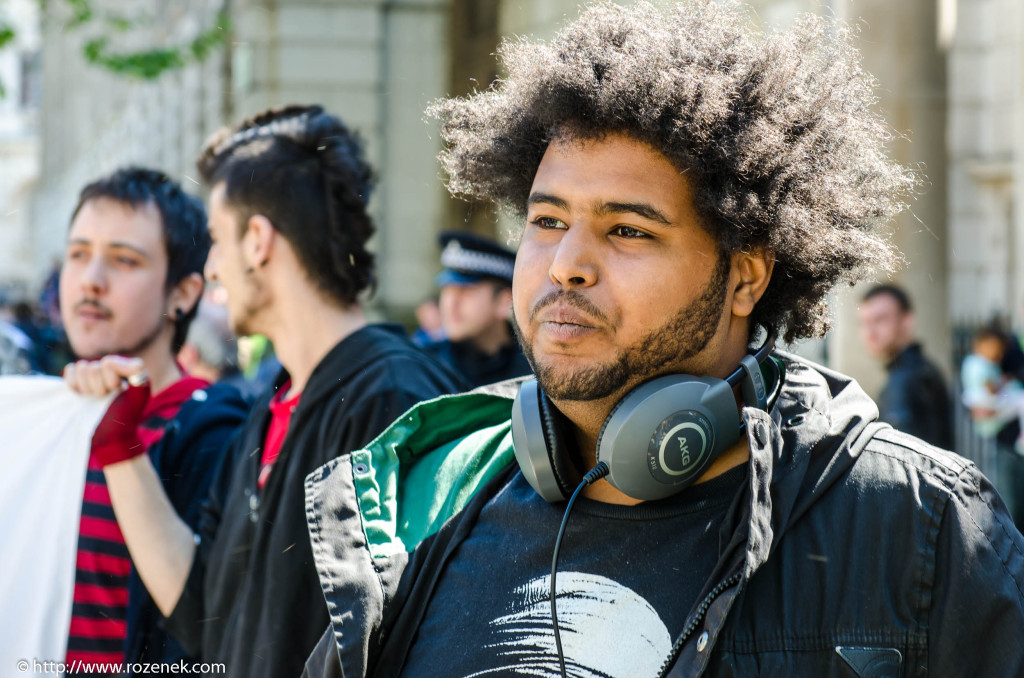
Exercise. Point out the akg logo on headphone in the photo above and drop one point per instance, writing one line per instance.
(679, 446)
(684, 450)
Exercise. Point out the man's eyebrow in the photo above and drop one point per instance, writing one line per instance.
(641, 209)
(547, 198)
(117, 244)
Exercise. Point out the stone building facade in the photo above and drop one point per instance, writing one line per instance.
(19, 144)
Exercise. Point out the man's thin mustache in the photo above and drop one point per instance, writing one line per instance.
(94, 304)
(569, 298)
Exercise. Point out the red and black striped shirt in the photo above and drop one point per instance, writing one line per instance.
(100, 604)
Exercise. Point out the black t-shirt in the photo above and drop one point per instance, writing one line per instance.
(628, 577)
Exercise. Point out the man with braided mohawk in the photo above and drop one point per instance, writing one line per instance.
(690, 190)
(290, 229)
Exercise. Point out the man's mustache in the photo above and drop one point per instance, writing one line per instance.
(94, 305)
(570, 298)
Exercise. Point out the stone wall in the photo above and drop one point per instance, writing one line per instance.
(986, 133)
(19, 146)
(92, 121)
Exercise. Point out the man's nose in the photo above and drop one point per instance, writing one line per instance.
(575, 261)
(94, 277)
(210, 269)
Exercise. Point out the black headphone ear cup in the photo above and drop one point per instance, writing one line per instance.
(536, 442)
(665, 433)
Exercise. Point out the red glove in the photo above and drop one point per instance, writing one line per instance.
(116, 438)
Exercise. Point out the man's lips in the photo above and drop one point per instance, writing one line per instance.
(564, 315)
(564, 323)
(565, 331)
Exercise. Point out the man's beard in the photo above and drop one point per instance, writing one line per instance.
(254, 299)
(681, 337)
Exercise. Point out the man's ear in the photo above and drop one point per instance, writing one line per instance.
(185, 295)
(751, 273)
(258, 241)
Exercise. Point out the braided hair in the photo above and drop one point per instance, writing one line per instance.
(305, 171)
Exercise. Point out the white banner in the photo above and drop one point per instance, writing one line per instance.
(45, 432)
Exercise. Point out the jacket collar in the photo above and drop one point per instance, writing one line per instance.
(346, 359)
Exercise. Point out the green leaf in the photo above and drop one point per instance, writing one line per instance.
(151, 64)
(81, 13)
(93, 50)
(6, 35)
(119, 24)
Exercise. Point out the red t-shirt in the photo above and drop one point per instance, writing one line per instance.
(100, 604)
(280, 419)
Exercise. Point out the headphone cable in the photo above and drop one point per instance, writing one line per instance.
(592, 476)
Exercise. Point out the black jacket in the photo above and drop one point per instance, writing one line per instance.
(477, 368)
(915, 399)
(854, 551)
(252, 599)
(185, 459)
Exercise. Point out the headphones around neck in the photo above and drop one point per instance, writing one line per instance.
(657, 440)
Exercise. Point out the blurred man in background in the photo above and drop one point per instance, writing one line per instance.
(915, 398)
(476, 308)
(129, 290)
(210, 350)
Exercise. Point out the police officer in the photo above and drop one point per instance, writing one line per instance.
(476, 309)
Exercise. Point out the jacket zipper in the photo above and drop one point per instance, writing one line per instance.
(695, 622)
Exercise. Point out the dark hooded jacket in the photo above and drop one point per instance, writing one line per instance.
(853, 550)
(252, 600)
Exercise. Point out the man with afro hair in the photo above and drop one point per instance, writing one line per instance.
(689, 190)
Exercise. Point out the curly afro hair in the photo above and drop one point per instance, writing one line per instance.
(777, 132)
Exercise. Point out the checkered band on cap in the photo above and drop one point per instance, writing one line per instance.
(459, 258)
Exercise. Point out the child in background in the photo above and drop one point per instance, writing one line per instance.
(992, 398)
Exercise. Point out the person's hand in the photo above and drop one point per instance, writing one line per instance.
(116, 438)
(100, 377)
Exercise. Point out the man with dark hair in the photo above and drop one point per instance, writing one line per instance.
(915, 398)
(129, 288)
(476, 310)
(289, 221)
(689, 190)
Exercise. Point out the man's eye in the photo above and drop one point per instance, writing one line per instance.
(127, 261)
(547, 222)
(629, 232)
